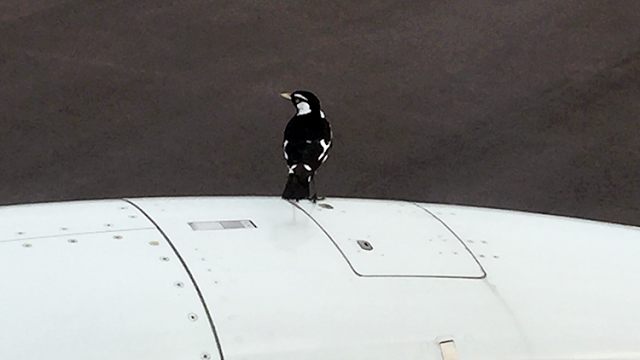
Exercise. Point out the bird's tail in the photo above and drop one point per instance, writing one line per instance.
(297, 187)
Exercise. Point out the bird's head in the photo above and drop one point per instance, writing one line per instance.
(303, 100)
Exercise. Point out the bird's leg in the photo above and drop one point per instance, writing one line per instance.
(314, 196)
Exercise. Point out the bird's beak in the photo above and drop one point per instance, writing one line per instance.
(286, 95)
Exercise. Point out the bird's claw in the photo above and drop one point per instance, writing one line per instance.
(315, 198)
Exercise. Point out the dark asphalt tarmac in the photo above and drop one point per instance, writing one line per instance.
(529, 105)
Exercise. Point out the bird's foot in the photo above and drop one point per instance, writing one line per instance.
(315, 198)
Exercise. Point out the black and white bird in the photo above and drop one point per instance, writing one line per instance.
(307, 139)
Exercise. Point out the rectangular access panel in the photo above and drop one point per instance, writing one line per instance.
(393, 238)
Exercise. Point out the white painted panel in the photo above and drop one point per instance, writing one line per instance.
(556, 288)
(283, 291)
(572, 284)
(405, 239)
(21, 222)
(120, 295)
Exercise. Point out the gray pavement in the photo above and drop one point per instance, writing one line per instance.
(528, 105)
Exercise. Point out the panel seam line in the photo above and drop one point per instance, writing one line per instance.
(186, 268)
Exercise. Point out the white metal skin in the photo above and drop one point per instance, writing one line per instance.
(94, 280)
(263, 278)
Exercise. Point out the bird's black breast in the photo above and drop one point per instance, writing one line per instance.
(307, 127)
(303, 135)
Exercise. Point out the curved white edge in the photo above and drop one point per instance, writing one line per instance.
(95, 280)
(103, 280)
(569, 283)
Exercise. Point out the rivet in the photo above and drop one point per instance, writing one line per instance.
(63, 228)
(482, 256)
(122, 208)
(496, 257)
(73, 241)
(470, 241)
(326, 206)
(193, 317)
(205, 356)
(108, 225)
(164, 258)
(20, 233)
(365, 245)
(117, 237)
(154, 243)
(483, 241)
(27, 245)
(132, 216)
(179, 284)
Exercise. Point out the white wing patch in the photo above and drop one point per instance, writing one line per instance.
(322, 114)
(284, 148)
(325, 147)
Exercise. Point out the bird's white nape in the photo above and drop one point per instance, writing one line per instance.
(303, 108)
(300, 97)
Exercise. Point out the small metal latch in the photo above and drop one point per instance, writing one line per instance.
(448, 349)
(365, 245)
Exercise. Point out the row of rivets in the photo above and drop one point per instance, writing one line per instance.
(179, 284)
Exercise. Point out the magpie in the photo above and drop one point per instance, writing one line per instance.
(307, 139)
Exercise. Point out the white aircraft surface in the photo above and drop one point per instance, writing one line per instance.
(260, 278)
